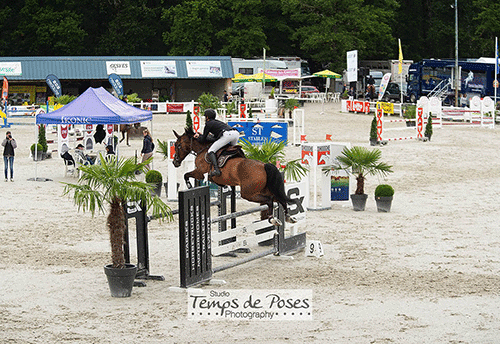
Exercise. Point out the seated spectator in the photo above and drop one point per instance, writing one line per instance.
(68, 158)
(87, 159)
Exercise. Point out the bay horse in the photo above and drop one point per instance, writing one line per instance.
(125, 129)
(259, 182)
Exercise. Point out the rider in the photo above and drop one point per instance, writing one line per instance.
(223, 134)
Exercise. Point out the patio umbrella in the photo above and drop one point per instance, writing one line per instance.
(328, 74)
(260, 77)
(241, 78)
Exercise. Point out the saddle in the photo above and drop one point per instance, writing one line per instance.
(226, 153)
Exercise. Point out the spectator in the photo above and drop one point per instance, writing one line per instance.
(87, 159)
(9, 144)
(147, 147)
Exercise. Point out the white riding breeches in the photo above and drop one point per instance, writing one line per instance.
(228, 137)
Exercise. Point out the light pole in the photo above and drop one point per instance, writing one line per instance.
(456, 54)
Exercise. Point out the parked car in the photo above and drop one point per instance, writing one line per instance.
(392, 93)
(305, 90)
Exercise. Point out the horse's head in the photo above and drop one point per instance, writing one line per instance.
(183, 146)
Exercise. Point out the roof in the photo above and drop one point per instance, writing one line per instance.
(128, 67)
(95, 106)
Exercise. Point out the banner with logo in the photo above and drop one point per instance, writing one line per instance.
(54, 84)
(118, 67)
(11, 68)
(383, 85)
(116, 83)
(352, 66)
(259, 132)
(5, 88)
(62, 138)
(158, 69)
(204, 69)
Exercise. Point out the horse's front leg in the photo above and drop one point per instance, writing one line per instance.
(197, 175)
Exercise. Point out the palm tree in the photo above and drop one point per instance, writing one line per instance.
(114, 182)
(273, 152)
(361, 161)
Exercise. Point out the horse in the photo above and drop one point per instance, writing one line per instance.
(125, 129)
(370, 91)
(259, 182)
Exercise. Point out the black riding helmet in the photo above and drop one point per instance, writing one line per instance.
(210, 114)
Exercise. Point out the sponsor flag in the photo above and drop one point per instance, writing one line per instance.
(5, 88)
(400, 70)
(54, 84)
(116, 82)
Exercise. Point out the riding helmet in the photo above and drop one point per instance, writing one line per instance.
(210, 114)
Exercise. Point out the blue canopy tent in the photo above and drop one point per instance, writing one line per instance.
(95, 106)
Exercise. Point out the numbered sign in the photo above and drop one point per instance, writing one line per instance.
(314, 249)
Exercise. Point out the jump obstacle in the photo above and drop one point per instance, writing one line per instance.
(418, 127)
(197, 244)
(196, 238)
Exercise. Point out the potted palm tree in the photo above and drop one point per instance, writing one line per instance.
(383, 197)
(290, 105)
(360, 162)
(114, 182)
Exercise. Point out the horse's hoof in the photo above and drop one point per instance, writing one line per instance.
(290, 219)
(274, 221)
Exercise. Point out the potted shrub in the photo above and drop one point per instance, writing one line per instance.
(290, 105)
(154, 177)
(360, 162)
(383, 197)
(373, 132)
(36, 151)
(208, 101)
(114, 182)
(428, 128)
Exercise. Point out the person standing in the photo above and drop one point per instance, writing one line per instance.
(226, 97)
(9, 144)
(147, 147)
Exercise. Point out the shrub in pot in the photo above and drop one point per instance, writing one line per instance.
(360, 162)
(155, 177)
(383, 197)
(114, 182)
(38, 148)
(428, 128)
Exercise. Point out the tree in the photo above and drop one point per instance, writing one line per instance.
(113, 182)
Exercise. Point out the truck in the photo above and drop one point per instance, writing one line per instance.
(253, 66)
(435, 77)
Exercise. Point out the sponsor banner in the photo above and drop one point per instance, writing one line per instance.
(158, 69)
(211, 69)
(352, 66)
(250, 304)
(387, 107)
(116, 83)
(11, 69)
(383, 85)
(118, 67)
(358, 106)
(175, 107)
(284, 73)
(54, 84)
(260, 132)
(62, 138)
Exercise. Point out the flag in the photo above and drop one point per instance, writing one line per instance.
(328, 137)
(55, 85)
(5, 88)
(400, 58)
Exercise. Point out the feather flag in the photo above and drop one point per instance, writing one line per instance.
(496, 57)
(400, 64)
(5, 88)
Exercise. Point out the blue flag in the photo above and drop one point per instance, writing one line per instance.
(497, 68)
(54, 84)
(116, 82)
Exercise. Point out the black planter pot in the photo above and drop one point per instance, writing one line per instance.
(157, 190)
(383, 204)
(410, 124)
(359, 202)
(374, 142)
(120, 281)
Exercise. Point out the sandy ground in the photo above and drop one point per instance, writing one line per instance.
(427, 272)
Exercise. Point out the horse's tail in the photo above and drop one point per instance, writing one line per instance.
(276, 185)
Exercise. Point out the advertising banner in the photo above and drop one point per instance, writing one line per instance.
(352, 66)
(258, 133)
(175, 107)
(117, 84)
(62, 138)
(54, 84)
(118, 67)
(158, 69)
(383, 85)
(11, 68)
(211, 69)
(284, 73)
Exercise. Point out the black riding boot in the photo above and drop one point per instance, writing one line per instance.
(213, 159)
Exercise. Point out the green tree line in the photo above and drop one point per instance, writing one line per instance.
(321, 31)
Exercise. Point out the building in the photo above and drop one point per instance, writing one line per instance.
(176, 78)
